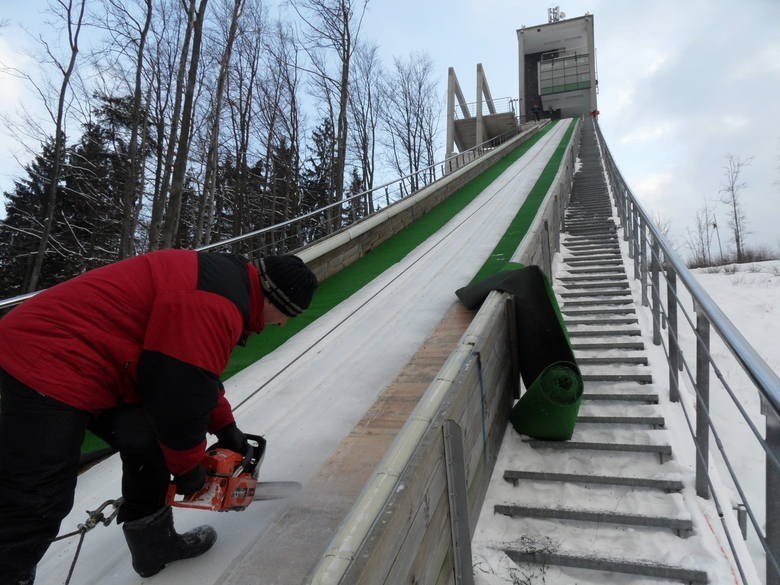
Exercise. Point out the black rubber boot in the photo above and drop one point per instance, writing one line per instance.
(154, 543)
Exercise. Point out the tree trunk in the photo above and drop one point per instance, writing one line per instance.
(130, 195)
(74, 29)
(213, 152)
(161, 197)
(173, 210)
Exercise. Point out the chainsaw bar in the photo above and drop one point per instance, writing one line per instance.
(275, 490)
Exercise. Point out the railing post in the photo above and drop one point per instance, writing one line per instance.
(628, 233)
(671, 309)
(643, 249)
(562, 210)
(655, 269)
(546, 252)
(772, 489)
(557, 219)
(626, 212)
(702, 403)
(457, 492)
(635, 240)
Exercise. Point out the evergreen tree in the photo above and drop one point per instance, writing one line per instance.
(284, 196)
(20, 231)
(91, 200)
(354, 208)
(318, 185)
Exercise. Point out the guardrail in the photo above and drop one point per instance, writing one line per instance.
(300, 232)
(411, 523)
(501, 105)
(653, 259)
(328, 220)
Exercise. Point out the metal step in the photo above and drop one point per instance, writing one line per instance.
(611, 240)
(597, 302)
(594, 242)
(594, 361)
(667, 485)
(628, 345)
(613, 270)
(576, 261)
(606, 333)
(590, 240)
(664, 451)
(597, 293)
(598, 262)
(648, 397)
(620, 321)
(594, 285)
(586, 312)
(611, 565)
(682, 526)
(592, 278)
(598, 250)
(656, 422)
(638, 378)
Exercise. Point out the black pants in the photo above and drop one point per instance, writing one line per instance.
(40, 447)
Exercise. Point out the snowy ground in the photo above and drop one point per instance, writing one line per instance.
(305, 407)
(749, 295)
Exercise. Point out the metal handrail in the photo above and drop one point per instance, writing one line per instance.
(762, 375)
(640, 232)
(503, 105)
(450, 164)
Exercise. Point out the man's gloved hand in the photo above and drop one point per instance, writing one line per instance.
(190, 482)
(230, 437)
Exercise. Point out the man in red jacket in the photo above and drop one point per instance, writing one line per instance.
(132, 351)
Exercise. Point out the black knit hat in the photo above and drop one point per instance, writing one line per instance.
(287, 282)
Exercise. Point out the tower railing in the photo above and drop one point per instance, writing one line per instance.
(681, 295)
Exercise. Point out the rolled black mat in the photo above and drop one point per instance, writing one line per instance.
(548, 409)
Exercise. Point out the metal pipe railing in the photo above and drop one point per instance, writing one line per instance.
(641, 234)
(316, 225)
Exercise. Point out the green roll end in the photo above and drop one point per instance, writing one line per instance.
(548, 409)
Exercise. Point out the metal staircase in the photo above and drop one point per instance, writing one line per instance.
(577, 502)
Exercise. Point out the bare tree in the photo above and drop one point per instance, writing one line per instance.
(334, 24)
(169, 62)
(73, 17)
(700, 241)
(731, 191)
(364, 109)
(282, 118)
(410, 109)
(227, 42)
(195, 18)
(241, 94)
(127, 25)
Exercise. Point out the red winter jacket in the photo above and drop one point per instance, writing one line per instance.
(156, 329)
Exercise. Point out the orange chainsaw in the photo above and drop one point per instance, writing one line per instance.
(231, 479)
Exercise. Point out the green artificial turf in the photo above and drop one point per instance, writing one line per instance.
(511, 239)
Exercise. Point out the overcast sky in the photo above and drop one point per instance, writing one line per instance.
(682, 84)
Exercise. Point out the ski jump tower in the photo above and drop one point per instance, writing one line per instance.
(557, 69)
(557, 79)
